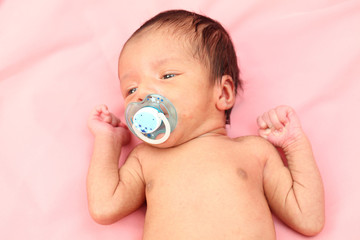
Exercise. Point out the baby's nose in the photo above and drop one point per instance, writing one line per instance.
(143, 92)
(141, 95)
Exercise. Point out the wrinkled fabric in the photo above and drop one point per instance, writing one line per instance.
(58, 59)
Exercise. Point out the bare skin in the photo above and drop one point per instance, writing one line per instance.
(200, 184)
(199, 194)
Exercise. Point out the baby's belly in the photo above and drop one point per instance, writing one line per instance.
(220, 207)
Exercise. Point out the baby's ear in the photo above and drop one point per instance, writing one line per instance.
(225, 91)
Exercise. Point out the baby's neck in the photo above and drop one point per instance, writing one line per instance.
(221, 131)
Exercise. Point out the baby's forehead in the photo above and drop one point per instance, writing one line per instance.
(186, 45)
(172, 43)
(186, 35)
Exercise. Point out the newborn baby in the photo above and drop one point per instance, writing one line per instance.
(199, 183)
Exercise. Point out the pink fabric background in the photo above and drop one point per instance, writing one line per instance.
(58, 59)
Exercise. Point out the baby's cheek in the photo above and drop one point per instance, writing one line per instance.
(183, 121)
(185, 117)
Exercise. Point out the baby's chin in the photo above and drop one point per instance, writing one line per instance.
(173, 141)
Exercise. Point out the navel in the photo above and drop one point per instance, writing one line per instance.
(242, 173)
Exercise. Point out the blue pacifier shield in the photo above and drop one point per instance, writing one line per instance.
(151, 117)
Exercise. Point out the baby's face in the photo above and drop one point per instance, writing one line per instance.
(159, 63)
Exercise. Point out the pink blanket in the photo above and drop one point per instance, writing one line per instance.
(58, 59)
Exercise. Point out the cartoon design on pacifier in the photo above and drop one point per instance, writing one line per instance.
(153, 116)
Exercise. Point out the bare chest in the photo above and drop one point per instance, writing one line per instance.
(213, 185)
(193, 172)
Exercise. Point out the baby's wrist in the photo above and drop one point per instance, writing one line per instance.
(298, 143)
(108, 139)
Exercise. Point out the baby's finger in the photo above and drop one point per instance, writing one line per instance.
(264, 132)
(275, 120)
(261, 123)
(94, 112)
(105, 110)
(114, 120)
(289, 115)
(101, 109)
(106, 118)
(121, 124)
(282, 113)
(267, 120)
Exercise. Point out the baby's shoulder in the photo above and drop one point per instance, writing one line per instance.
(251, 139)
(255, 144)
(143, 151)
(140, 149)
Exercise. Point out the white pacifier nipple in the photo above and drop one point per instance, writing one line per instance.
(153, 116)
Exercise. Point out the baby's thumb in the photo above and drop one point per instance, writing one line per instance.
(264, 133)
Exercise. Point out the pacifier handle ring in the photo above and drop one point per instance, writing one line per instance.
(155, 141)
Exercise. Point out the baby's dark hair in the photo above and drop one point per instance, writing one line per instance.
(207, 38)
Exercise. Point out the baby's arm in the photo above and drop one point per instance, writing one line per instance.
(112, 192)
(295, 193)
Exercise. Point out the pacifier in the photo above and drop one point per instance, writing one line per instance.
(153, 116)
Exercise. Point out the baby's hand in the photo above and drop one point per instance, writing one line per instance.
(280, 126)
(103, 122)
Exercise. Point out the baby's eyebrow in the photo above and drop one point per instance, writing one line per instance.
(126, 75)
(163, 61)
(122, 77)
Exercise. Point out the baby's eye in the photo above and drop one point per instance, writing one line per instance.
(131, 91)
(167, 76)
